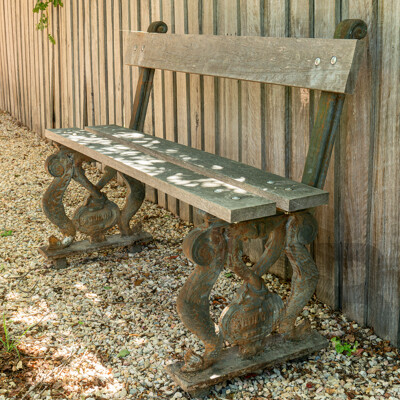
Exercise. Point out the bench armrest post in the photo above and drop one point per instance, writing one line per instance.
(328, 117)
(144, 85)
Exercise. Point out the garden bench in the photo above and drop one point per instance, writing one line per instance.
(239, 202)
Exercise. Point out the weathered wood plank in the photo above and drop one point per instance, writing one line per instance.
(196, 100)
(300, 97)
(77, 43)
(161, 92)
(228, 90)
(210, 89)
(383, 284)
(254, 180)
(110, 61)
(82, 51)
(225, 201)
(4, 67)
(275, 114)
(156, 99)
(69, 60)
(182, 96)
(283, 61)
(57, 72)
(209, 95)
(253, 143)
(324, 245)
(118, 68)
(170, 102)
(21, 89)
(102, 45)
(353, 180)
(94, 35)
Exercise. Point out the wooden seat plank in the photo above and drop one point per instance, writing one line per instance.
(218, 198)
(288, 195)
(298, 62)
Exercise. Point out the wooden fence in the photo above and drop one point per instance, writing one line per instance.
(82, 80)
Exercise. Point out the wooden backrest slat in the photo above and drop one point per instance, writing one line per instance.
(282, 61)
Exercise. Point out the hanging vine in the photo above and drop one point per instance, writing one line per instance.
(41, 8)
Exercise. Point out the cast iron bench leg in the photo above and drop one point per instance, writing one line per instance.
(96, 216)
(255, 313)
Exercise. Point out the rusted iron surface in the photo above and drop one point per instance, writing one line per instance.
(98, 214)
(255, 312)
(61, 167)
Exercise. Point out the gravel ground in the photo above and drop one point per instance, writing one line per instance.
(105, 327)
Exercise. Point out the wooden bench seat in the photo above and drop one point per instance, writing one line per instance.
(287, 194)
(230, 203)
(239, 202)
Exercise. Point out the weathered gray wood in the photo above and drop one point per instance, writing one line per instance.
(288, 195)
(352, 180)
(220, 199)
(384, 245)
(324, 245)
(282, 61)
(84, 246)
(232, 364)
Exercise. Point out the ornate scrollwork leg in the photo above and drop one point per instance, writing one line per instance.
(61, 167)
(253, 313)
(98, 214)
(206, 247)
(301, 230)
(257, 323)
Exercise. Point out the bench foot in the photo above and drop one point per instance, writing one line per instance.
(59, 256)
(231, 362)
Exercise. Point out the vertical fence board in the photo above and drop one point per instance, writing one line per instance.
(253, 139)
(116, 26)
(76, 43)
(210, 96)
(110, 59)
(275, 113)
(182, 95)
(156, 98)
(229, 113)
(103, 56)
(383, 289)
(324, 245)
(18, 39)
(354, 177)
(57, 70)
(169, 101)
(300, 98)
(3, 66)
(94, 21)
(82, 51)
(196, 85)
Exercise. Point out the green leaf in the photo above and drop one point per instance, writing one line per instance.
(107, 287)
(80, 322)
(123, 353)
(51, 38)
(228, 274)
(6, 233)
